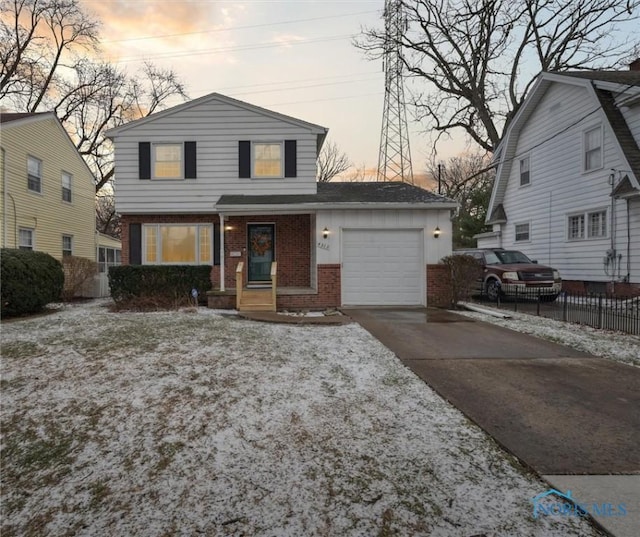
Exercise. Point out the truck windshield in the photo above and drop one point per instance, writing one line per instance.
(511, 257)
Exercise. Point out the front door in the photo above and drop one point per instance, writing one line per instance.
(261, 250)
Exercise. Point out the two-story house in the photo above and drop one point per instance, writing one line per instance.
(48, 192)
(567, 189)
(221, 182)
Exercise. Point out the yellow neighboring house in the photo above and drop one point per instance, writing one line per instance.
(48, 191)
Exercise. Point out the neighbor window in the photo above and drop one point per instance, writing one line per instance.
(267, 160)
(167, 161)
(107, 257)
(525, 178)
(34, 174)
(25, 238)
(188, 244)
(575, 227)
(597, 224)
(66, 187)
(522, 232)
(67, 245)
(593, 149)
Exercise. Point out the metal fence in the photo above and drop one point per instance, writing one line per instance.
(599, 311)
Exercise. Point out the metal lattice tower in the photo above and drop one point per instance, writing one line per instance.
(394, 159)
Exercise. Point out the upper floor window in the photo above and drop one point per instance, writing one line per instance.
(522, 232)
(34, 174)
(592, 149)
(67, 245)
(575, 227)
(267, 160)
(525, 178)
(25, 238)
(66, 187)
(178, 244)
(167, 161)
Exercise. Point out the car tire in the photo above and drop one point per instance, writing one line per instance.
(492, 289)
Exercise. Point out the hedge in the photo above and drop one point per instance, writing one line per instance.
(161, 283)
(30, 281)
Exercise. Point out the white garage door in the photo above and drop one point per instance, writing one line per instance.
(383, 267)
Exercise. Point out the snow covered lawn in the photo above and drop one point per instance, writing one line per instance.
(196, 423)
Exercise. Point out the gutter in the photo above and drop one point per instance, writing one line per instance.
(283, 208)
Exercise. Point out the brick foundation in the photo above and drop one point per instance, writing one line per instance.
(618, 289)
(438, 286)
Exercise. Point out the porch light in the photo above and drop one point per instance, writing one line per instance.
(325, 233)
(436, 232)
(228, 227)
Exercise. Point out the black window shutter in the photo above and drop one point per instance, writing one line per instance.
(244, 159)
(290, 158)
(144, 160)
(216, 244)
(190, 160)
(135, 244)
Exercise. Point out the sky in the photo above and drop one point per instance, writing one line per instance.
(293, 57)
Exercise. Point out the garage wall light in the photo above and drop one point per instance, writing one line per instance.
(325, 233)
(436, 232)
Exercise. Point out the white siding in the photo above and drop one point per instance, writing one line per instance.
(217, 127)
(328, 250)
(552, 137)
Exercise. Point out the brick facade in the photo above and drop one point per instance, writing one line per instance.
(619, 289)
(438, 286)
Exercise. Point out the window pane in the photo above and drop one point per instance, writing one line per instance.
(205, 244)
(151, 236)
(66, 187)
(598, 224)
(67, 245)
(118, 253)
(25, 237)
(267, 160)
(110, 256)
(34, 174)
(576, 227)
(178, 244)
(168, 161)
(522, 232)
(593, 149)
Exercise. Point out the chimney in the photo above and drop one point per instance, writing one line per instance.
(635, 65)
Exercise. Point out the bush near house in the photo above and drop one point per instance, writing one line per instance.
(154, 286)
(77, 271)
(30, 281)
(464, 271)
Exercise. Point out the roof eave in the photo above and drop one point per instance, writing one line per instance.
(316, 206)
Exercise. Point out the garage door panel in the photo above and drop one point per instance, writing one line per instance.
(382, 267)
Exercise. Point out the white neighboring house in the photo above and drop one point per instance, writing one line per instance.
(567, 189)
(223, 183)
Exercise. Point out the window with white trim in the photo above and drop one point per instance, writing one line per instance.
(67, 245)
(25, 238)
(178, 244)
(592, 143)
(522, 232)
(597, 227)
(525, 177)
(167, 161)
(267, 160)
(66, 187)
(34, 174)
(575, 227)
(108, 257)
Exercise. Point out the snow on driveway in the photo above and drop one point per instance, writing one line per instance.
(197, 423)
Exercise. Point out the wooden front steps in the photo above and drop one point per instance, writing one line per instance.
(263, 299)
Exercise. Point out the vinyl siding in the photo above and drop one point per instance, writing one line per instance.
(45, 212)
(216, 127)
(336, 220)
(553, 138)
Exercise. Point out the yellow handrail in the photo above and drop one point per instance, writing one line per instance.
(274, 277)
(239, 283)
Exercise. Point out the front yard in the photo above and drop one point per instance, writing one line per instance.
(197, 423)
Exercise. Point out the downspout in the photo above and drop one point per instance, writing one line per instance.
(222, 288)
(628, 277)
(4, 197)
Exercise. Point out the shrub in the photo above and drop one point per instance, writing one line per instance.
(464, 271)
(158, 286)
(30, 281)
(77, 271)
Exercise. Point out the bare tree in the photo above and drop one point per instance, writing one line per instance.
(107, 219)
(50, 60)
(478, 58)
(467, 180)
(331, 162)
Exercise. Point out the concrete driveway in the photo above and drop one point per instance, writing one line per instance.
(572, 417)
(559, 410)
